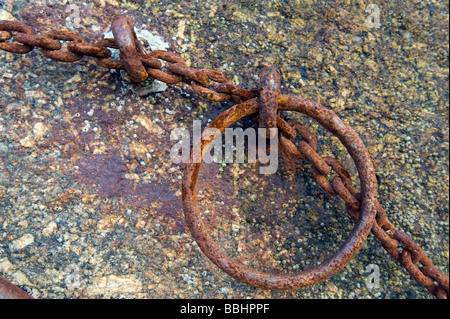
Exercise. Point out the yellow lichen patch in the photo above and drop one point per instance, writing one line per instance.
(241, 16)
(391, 139)
(109, 222)
(40, 130)
(114, 284)
(138, 148)
(27, 141)
(147, 124)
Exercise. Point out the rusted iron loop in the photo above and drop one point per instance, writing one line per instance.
(305, 133)
(109, 63)
(340, 170)
(235, 90)
(285, 128)
(18, 26)
(416, 252)
(209, 94)
(269, 84)
(439, 277)
(63, 55)
(129, 47)
(309, 153)
(149, 61)
(38, 41)
(329, 120)
(185, 71)
(414, 271)
(89, 49)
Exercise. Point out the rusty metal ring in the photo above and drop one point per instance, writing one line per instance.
(329, 120)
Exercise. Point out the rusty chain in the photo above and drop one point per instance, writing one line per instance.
(138, 64)
(265, 100)
(390, 238)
